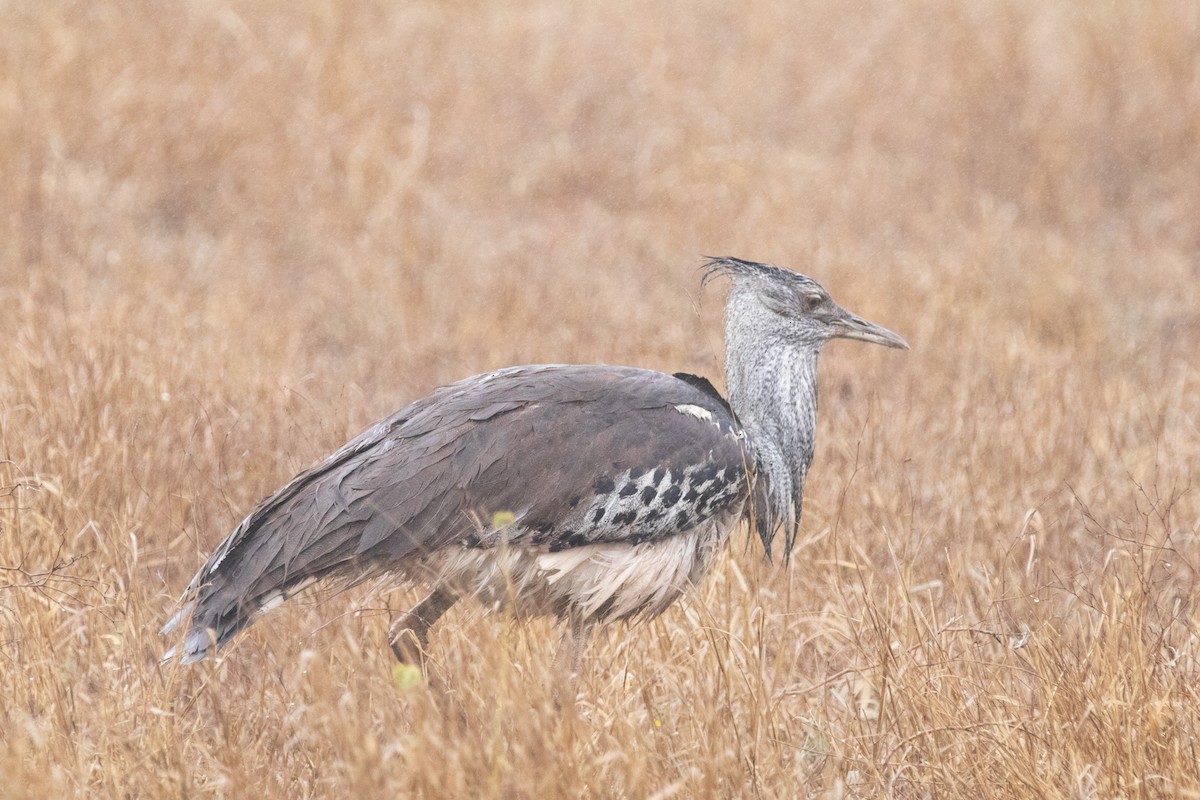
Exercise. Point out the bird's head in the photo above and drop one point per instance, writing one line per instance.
(792, 307)
(776, 322)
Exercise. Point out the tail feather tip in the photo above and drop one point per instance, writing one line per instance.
(179, 616)
(196, 647)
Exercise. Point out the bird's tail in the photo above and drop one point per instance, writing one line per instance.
(254, 571)
(211, 620)
(327, 523)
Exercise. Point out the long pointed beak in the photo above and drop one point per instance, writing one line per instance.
(852, 326)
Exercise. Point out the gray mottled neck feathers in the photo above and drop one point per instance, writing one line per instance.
(772, 384)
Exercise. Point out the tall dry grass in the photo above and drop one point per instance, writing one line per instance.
(233, 234)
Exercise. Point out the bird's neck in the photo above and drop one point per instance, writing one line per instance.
(773, 390)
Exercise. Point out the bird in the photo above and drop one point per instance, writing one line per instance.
(587, 493)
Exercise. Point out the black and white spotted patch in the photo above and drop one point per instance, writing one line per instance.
(644, 504)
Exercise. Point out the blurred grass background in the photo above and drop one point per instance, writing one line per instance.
(232, 234)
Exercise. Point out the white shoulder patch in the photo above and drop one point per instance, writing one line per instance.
(695, 411)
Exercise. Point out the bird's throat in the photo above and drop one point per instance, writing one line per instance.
(773, 391)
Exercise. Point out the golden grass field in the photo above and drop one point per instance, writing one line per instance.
(233, 234)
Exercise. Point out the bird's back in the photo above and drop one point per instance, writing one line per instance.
(550, 489)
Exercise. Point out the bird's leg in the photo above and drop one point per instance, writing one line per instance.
(409, 633)
(565, 669)
(576, 639)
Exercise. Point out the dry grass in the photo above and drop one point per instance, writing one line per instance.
(233, 234)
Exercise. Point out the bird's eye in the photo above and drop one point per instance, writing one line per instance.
(810, 302)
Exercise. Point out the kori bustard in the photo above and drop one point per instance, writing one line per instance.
(589, 493)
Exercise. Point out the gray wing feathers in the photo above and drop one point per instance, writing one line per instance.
(544, 452)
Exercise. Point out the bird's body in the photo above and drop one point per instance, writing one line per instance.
(447, 492)
(584, 492)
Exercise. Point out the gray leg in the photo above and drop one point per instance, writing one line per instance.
(575, 639)
(566, 661)
(409, 634)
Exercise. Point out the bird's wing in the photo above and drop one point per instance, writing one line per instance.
(589, 454)
(549, 456)
(555, 456)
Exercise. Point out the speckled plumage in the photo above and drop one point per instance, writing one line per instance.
(586, 492)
